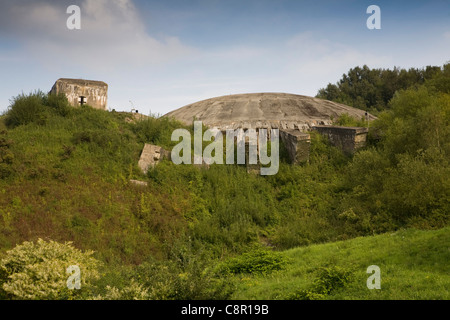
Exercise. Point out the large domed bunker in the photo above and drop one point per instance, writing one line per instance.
(294, 115)
(264, 110)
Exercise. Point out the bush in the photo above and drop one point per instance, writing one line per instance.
(324, 154)
(327, 281)
(37, 270)
(187, 274)
(347, 120)
(58, 103)
(25, 109)
(259, 262)
(419, 187)
(36, 108)
(156, 130)
(133, 291)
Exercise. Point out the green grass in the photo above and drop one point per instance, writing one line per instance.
(413, 265)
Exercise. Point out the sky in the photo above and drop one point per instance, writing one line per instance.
(158, 56)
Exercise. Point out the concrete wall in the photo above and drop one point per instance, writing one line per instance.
(151, 155)
(297, 145)
(95, 92)
(348, 139)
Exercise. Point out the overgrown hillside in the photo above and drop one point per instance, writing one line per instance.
(64, 176)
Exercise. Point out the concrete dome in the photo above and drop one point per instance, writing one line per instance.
(264, 110)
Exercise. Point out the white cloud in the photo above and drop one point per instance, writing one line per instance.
(112, 36)
(323, 57)
(300, 64)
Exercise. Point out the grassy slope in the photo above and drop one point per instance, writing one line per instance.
(413, 264)
(83, 196)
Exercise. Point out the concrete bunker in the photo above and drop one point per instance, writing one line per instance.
(294, 116)
(80, 92)
(349, 139)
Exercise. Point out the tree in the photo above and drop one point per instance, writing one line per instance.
(372, 89)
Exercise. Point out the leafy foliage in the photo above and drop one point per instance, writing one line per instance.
(26, 109)
(133, 291)
(257, 261)
(37, 270)
(156, 130)
(327, 281)
(372, 89)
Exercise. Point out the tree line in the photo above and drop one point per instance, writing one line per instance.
(372, 89)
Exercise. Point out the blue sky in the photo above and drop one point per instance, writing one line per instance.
(158, 56)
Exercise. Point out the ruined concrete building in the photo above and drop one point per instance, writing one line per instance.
(79, 92)
(294, 115)
(151, 155)
(348, 139)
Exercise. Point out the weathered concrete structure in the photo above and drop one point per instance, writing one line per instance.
(264, 110)
(297, 145)
(79, 92)
(348, 139)
(294, 115)
(151, 155)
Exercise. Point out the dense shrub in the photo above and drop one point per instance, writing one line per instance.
(156, 130)
(37, 270)
(404, 180)
(327, 281)
(254, 262)
(419, 187)
(132, 291)
(372, 89)
(36, 107)
(58, 104)
(348, 121)
(187, 274)
(25, 109)
(419, 119)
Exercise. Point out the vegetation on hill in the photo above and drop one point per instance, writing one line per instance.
(65, 172)
(372, 89)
